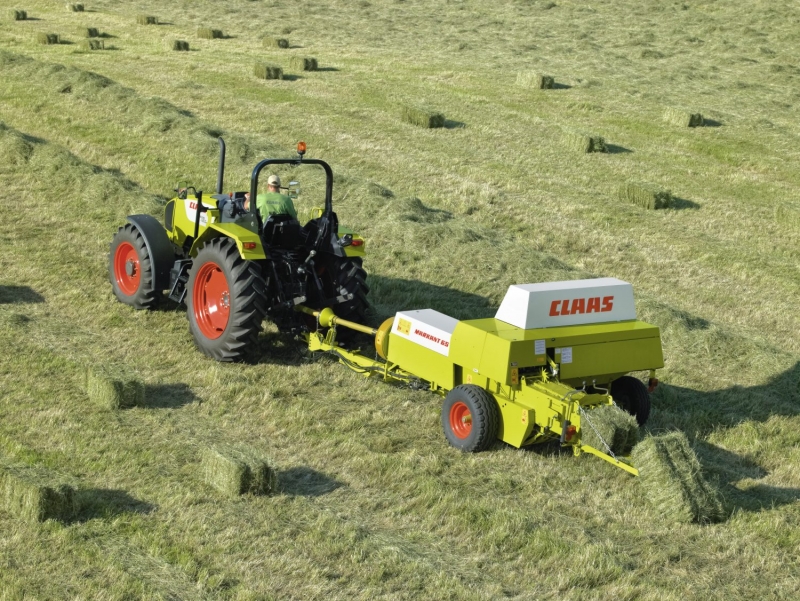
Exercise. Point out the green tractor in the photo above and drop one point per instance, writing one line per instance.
(233, 268)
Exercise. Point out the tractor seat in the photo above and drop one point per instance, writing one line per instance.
(282, 231)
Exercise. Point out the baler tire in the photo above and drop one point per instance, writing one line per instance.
(473, 403)
(128, 251)
(226, 301)
(631, 394)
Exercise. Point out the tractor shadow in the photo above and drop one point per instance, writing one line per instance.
(306, 482)
(104, 503)
(13, 295)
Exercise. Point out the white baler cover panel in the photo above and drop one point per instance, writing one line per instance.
(427, 328)
(576, 302)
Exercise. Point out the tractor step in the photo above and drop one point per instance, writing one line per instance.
(178, 277)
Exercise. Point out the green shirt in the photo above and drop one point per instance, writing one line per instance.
(274, 203)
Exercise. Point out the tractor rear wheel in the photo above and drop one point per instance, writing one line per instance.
(349, 277)
(130, 269)
(631, 394)
(226, 301)
(470, 418)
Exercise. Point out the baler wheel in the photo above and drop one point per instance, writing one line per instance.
(631, 394)
(225, 300)
(470, 418)
(130, 269)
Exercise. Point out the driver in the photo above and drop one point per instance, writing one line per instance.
(273, 202)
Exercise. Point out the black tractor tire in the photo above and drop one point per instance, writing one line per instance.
(226, 301)
(470, 418)
(349, 276)
(631, 394)
(130, 269)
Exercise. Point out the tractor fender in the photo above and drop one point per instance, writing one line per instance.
(240, 235)
(158, 246)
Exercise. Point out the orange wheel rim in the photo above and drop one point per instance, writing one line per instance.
(127, 271)
(460, 419)
(211, 300)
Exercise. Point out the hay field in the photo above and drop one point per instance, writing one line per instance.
(371, 503)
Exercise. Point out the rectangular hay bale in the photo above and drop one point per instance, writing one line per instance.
(303, 63)
(673, 481)
(422, 117)
(264, 71)
(93, 45)
(146, 20)
(180, 45)
(270, 42)
(584, 142)
(47, 38)
(114, 387)
(615, 426)
(536, 81)
(237, 469)
(207, 33)
(76, 8)
(35, 494)
(645, 195)
(89, 32)
(683, 118)
(19, 15)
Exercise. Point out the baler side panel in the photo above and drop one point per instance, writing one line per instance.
(424, 363)
(608, 360)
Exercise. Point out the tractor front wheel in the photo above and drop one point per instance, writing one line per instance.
(226, 301)
(631, 394)
(130, 269)
(470, 418)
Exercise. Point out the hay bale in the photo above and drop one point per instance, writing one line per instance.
(146, 20)
(237, 470)
(584, 142)
(264, 71)
(19, 15)
(89, 32)
(645, 195)
(76, 8)
(422, 117)
(616, 427)
(209, 34)
(683, 118)
(35, 494)
(535, 81)
(303, 63)
(114, 387)
(179, 45)
(47, 38)
(673, 481)
(93, 45)
(270, 42)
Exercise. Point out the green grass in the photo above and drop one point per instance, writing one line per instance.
(371, 502)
